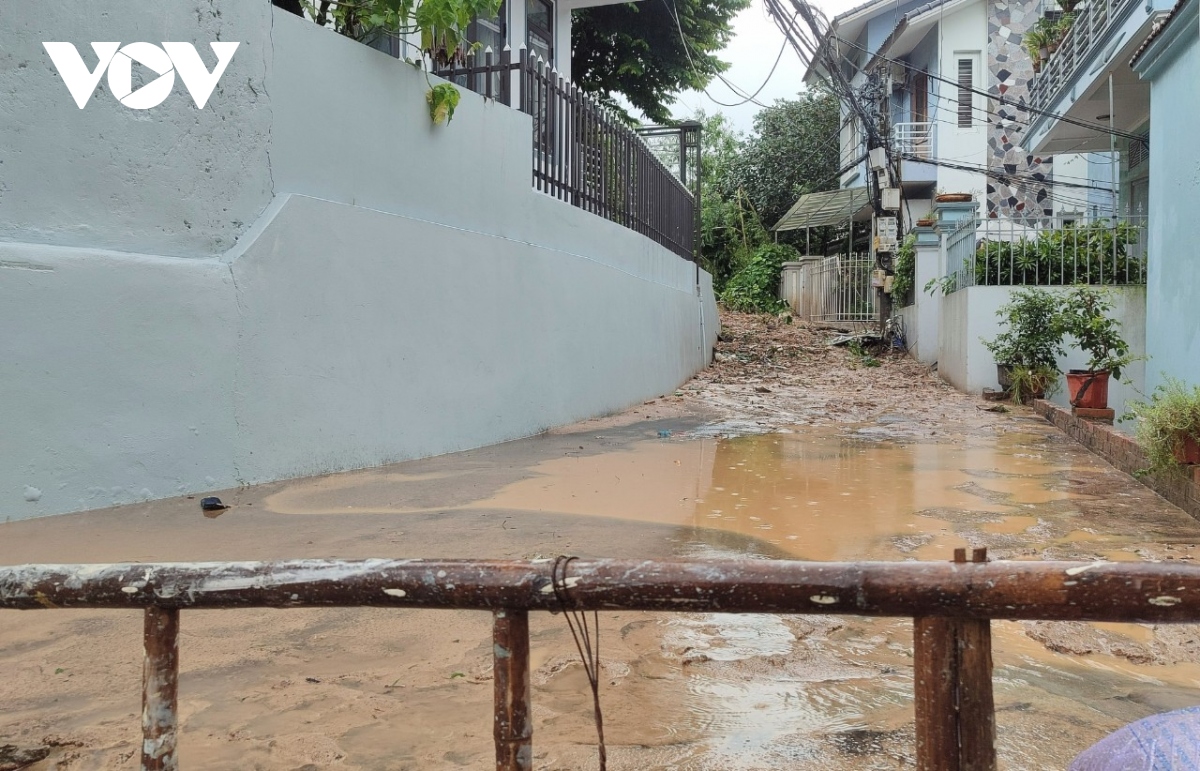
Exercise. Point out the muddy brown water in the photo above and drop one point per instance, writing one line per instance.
(681, 691)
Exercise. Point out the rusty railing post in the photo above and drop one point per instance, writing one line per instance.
(952, 681)
(510, 672)
(160, 690)
(976, 706)
(934, 675)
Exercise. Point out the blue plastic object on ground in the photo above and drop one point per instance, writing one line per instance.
(1166, 742)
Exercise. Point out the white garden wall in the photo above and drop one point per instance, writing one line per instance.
(969, 317)
(304, 277)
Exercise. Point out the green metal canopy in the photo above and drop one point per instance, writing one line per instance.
(833, 207)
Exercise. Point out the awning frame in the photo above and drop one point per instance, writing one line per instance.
(832, 207)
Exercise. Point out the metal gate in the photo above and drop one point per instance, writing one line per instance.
(840, 289)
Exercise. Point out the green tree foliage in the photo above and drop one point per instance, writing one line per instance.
(792, 151)
(755, 287)
(442, 24)
(729, 227)
(635, 50)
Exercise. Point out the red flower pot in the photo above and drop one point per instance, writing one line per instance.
(1187, 450)
(1094, 396)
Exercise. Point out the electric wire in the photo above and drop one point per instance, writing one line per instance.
(673, 12)
(995, 97)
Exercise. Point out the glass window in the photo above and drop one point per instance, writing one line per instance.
(539, 20)
(488, 33)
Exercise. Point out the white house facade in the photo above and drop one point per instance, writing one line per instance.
(943, 69)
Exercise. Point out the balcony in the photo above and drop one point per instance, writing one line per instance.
(915, 143)
(1090, 30)
(914, 139)
(1074, 80)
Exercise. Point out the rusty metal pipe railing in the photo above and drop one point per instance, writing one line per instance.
(1054, 591)
(951, 604)
(160, 689)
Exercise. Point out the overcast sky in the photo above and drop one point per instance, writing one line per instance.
(751, 53)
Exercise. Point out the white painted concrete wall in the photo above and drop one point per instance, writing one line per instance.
(1071, 169)
(912, 330)
(969, 318)
(1173, 330)
(923, 319)
(396, 290)
(963, 33)
(74, 177)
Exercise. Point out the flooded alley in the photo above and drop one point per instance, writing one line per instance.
(785, 449)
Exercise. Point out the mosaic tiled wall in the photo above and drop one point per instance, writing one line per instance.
(1026, 193)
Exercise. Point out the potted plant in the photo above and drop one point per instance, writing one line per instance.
(1029, 344)
(1169, 426)
(1051, 32)
(1085, 317)
(1062, 27)
(1035, 44)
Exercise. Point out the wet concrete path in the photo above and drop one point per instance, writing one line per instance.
(774, 475)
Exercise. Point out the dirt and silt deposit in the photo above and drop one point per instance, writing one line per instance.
(785, 448)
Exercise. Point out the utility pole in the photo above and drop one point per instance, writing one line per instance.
(806, 28)
(884, 178)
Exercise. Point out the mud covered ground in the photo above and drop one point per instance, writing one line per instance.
(786, 447)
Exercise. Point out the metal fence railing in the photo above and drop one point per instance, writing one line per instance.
(1088, 33)
(913, 139)
(951, 605)
(839, 289)
(582, 153)
(1048, 251)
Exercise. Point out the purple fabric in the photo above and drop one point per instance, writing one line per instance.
(1166, 742)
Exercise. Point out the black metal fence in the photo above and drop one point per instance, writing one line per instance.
(582, 153)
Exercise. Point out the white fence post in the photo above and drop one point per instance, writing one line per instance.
(923, 341)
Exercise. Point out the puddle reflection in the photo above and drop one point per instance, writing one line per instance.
(815, 495)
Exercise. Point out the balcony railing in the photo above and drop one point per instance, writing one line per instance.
(1088, 33)
(583, 154)
(914, 139)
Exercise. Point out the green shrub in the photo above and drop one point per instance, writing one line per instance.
(1085, 317)
(905, 271)
(1032, 331)
(1094, 253)
(1171, 413)
(755, 287)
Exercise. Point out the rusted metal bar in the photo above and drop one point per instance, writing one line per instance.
(510, 674)
(1099, 591)
(952, 681)
(976, 704)
(934, 677)
(160, 689)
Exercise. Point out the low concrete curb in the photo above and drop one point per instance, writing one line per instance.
(1124, 453)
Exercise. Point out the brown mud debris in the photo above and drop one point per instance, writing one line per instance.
(786, 447)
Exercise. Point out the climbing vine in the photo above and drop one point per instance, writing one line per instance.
(442, 25)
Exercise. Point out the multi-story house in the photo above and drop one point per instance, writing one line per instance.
(1124, 76)
(940, 71)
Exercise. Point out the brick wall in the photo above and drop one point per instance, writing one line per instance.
(1124, 453)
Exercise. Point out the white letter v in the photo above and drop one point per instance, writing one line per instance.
(74, 72)
(199, 81)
